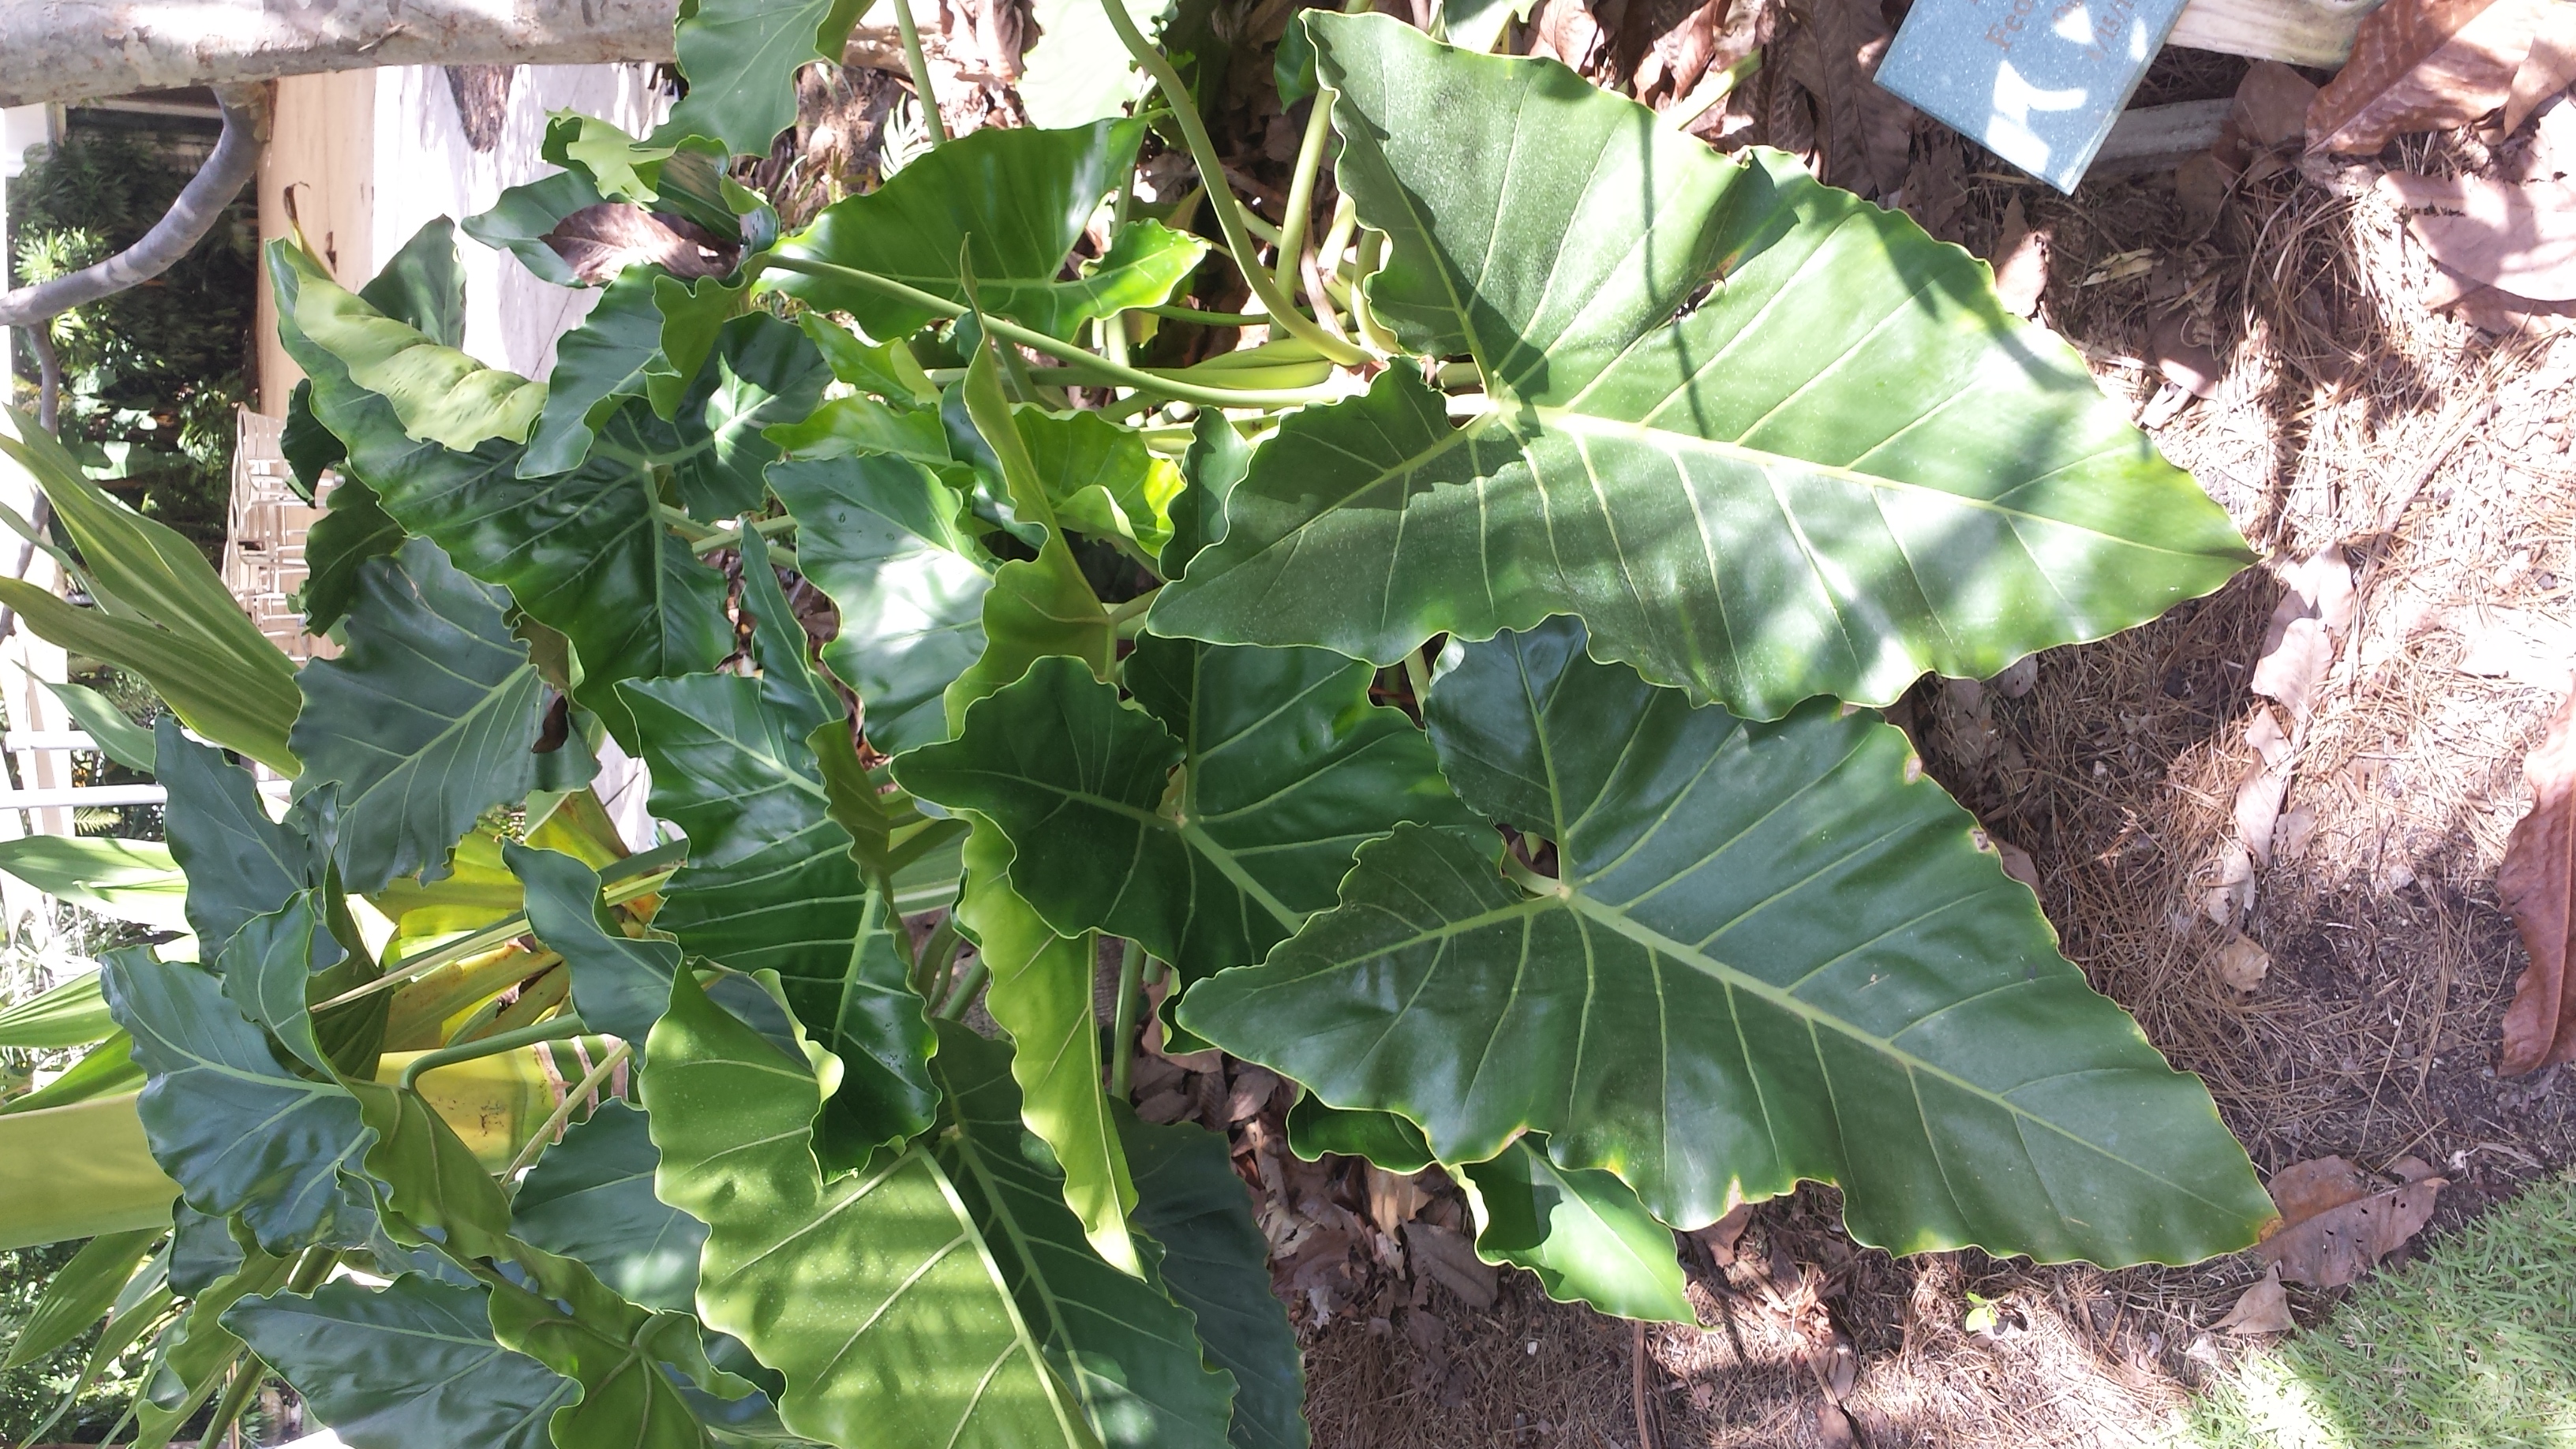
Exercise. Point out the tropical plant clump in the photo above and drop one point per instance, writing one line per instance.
(1455, 702)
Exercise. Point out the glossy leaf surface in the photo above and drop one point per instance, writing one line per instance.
(412, 1365)
(427, 720)
(268, 968)
(1286, 767)
(239, 1132)
(239, 863)
(741, 58)
(1016, 200)
(1582, 1231)
(1216, 1264)
(869, 1290)
(619, 982)
(770, 885)
(1807, 966)
(1846, 466)
(590, 1197)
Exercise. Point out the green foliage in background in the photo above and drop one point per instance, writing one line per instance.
(151, 375)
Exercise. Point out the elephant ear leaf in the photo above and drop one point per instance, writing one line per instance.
(1841, 466)
(428, 720)
(413, 1365)
(771, 885)
(270, 963)
(590, 1197)
(442, 394)
(238, 862)
(741, 58)
(239, 1133)
(619, 982)
(1286, 767)
(1017, 200)
(1764, 941)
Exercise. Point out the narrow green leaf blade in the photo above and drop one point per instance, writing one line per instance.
(129, 880)
(119, 738)
(1806, 966)
(80, 1293)
(1041, 993)
(69, 1015)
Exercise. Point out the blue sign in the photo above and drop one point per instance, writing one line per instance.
(2039, 82)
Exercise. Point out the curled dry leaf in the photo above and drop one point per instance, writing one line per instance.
(1867, 133)
(2517, 239)
(2021, 263)
(1450, 1261)
(600, 241)
(2265, 1308)
(2260, 794)
(2548, 68)
(2307, 626)
(2536, 883)
(1720, 1237)
(2336, 1221)
(2418, 65)
(2241, 965)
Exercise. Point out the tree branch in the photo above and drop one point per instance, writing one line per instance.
(70, 50)
(200, 202)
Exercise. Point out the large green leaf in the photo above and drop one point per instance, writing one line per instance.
(353, 528)
(129, 880)
(239, 863)
(916, 1336)
(1216, 1264)
(1042, 993)
(1285, 765)
(240, 1133)
(69, 1015)
(1217, 459)
(619, 982)
(268, 968)
(590, 1197)
(1582, 1231)
(519, 222)
(770, 885)
(760, 373)
(596, 363)
(1100, 478)
(1037, 607)
(1016, 201)
(1132, 1354)
(741, 58)
(1079, 71)
(1770, 956)
(104, 1070)
(427, 720)
(441, 393)
(412, 1365)
(965, 1307)
(99, 1174)
(197, 1353)
(879, 535)
(583, 552)
(1846, 465)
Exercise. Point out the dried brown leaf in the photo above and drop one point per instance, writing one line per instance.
(1450, 1260)
(2419, 65)
(2201, 184)
(1252, 1090)
(2304, 1189)
(2241, 964)
(2271, 107)
(2518, 239)
(2021, 263)
(1867, 133)
(2338, 1245)
(1720, 1237)
(2186, 363)
(2548, 68)
(1393, 1200)
(600, 241)
(2265, 1308)
(2537, 884)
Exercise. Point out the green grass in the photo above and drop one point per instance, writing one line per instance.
(2474, 1347)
